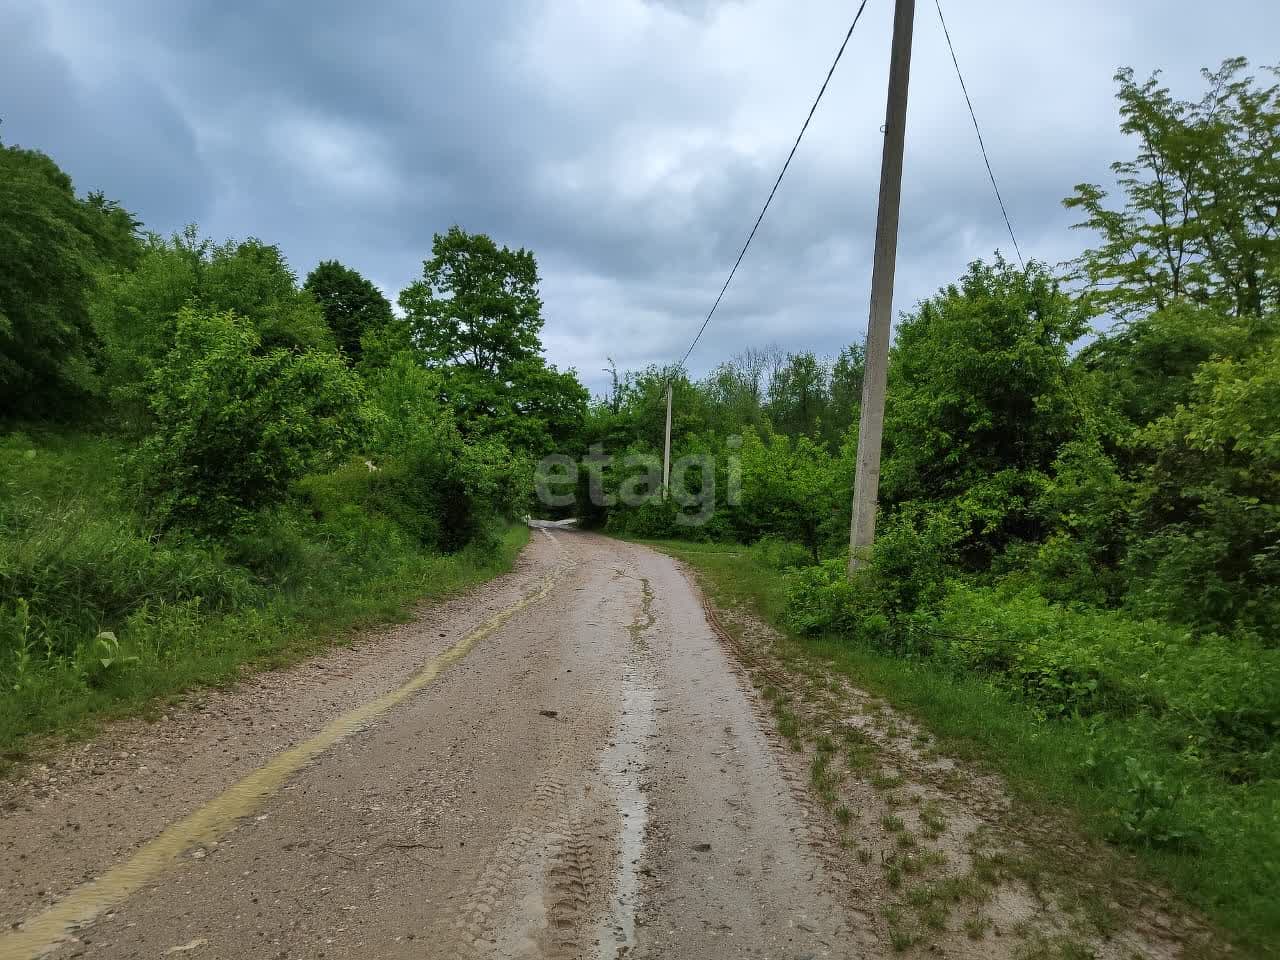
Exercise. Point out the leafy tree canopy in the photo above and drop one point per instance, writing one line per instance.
(352, 306)
(51, 244)
(476, 316)
(136, 311)
(798, 395)
(476, 305)
(979, 399)
(1198, 219)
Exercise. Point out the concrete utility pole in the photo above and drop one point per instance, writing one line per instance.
(666, 449)
(866, 484)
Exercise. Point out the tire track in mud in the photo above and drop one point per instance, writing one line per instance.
(555, 887)
(534, 894)
(622, 768)
(475, 928)
(573, 884)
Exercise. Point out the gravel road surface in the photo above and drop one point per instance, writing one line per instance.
(565, 762)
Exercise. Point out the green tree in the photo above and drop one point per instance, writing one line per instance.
(642, 409)
(798, 396)
(1144, 369)
(790, 490)
(1190, 262)
(735, 393)
(476, 306)
(980, 401)
(846, 393)
(1198, 220)
(254, 280)
(136, 311)
(352, 306)
(1209, 508)
(476, 316)
(51, 246)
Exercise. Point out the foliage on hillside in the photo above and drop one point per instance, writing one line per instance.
(204, 459)
(51, 244)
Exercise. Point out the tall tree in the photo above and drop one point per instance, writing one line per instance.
(476, 316)
(846, 393)
(735, 392)
(51, 246)
(798, 395)
(1200, 219)
(1190, 263)
(979, 401)
(353, 307)
(476, 305)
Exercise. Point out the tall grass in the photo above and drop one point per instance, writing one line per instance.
(100, 616)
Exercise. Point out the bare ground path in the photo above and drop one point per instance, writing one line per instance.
(571, 761)
(591, 779)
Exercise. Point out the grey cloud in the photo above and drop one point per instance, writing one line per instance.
(115, 130)
(630, 143)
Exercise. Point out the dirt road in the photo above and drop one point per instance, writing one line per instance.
(564, 763)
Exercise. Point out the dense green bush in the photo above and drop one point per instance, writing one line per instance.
(980, 403)
(235, 425)
(908, 570)
(100, 612)
(1212, 501)
(1214, 697)
(655, 519)
(439, 493)
(822, 598)
(778, 554)
(74, 561)
(135, 311)
(790, 490)
(78, 575)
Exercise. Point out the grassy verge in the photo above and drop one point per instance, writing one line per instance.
(180, 613)
(1232, 873)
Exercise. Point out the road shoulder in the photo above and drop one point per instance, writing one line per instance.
(935, 852)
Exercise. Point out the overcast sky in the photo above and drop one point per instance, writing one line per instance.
(628, 143)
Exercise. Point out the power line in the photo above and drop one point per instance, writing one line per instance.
(776, 184)
(976, 129)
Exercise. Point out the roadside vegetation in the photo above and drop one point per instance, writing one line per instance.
(205, 464)
(941, 856)
(1077, 567)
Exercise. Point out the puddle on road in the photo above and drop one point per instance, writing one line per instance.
(622, 767)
